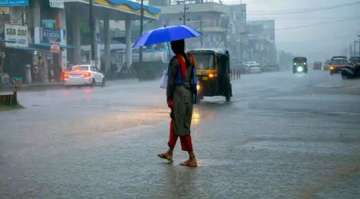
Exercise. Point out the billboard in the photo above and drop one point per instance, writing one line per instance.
(16, 36)
(56, 3)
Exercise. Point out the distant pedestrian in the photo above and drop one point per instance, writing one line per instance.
(180, 92)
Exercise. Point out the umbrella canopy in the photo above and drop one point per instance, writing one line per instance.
(165, 34)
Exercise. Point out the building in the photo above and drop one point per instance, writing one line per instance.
(33, 34)
(222, 26)
(42, 37)
(260, 44)
(237, 33)
(209, 18)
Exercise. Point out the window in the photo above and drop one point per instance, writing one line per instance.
(80, 67)
(204, 60)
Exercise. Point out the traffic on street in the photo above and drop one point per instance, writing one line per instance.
(297, 140)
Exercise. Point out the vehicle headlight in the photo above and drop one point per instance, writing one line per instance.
(198, 87)
(300, 69)
(295, 64)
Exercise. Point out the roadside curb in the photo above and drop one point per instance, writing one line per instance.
(32, 87)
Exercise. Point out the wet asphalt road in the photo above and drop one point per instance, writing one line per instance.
(283, 136)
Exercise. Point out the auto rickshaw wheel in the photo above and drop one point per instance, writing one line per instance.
(227, 98)
(228, 93)
(93, 83)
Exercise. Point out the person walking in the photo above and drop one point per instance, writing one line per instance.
(181, 88)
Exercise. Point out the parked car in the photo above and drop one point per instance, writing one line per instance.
(84, 75)
(252, 67)
(337, 63)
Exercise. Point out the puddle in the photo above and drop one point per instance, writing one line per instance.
(328, 148)
(215, 162)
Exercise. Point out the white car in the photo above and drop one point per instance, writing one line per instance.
(252, 67)
(84, 75)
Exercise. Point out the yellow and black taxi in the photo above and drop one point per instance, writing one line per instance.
(300, 65)
(213, 73)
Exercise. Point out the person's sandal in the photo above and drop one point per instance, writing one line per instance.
(165, 156)
(190, 163)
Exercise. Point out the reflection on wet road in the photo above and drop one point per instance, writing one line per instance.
(282, 136)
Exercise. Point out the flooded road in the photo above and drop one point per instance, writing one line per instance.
(282, 136)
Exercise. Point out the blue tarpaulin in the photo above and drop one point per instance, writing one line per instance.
(13, 3)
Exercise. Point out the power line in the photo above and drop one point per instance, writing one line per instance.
(318, 23)
(303, 10)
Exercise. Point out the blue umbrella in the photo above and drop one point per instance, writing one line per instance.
(165, 34)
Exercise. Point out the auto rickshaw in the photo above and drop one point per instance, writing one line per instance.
(300, 65)
(213, 73)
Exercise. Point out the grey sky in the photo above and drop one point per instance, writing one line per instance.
(317, 42)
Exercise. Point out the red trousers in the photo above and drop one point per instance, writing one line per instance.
(186, 144)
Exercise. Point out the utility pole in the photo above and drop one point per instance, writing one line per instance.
(141, 29)
(184, 10)
(351, 50)
(93, 33)
(184, 14)
(355, 48)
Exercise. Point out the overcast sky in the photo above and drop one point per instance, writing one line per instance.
(297, 33)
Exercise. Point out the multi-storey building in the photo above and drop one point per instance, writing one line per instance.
(209, 18)
(261, 45)
(222, 26)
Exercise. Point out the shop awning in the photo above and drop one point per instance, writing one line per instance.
(48, 46)
(125, 8)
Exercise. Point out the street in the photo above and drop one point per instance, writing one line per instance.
(282, 136)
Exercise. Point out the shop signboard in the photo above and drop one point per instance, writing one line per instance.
(50, 35)
(56, 3)
(48, 23)
(4, 11)
(47, 36)
(16, 36)
(13, 3)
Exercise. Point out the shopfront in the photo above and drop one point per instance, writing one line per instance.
(49, 43)
(16, 54)
(35, 32)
